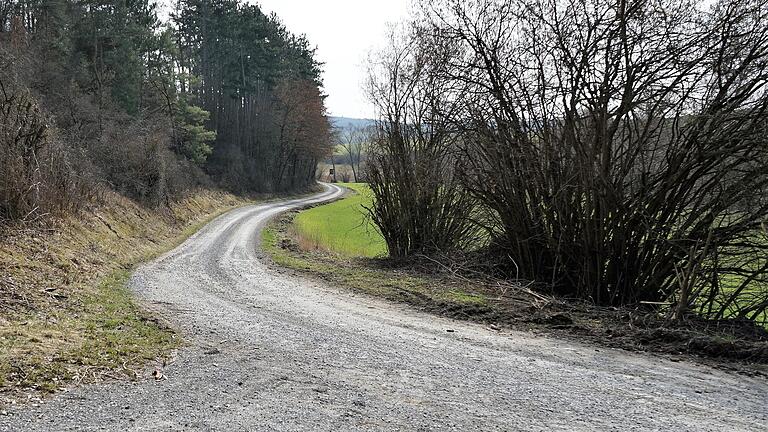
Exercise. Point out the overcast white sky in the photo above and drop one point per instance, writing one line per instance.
(344, 32)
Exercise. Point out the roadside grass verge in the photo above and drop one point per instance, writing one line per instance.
(342, 227)
(110, 336)
(66, 315)
(502, 306)
(366, 275)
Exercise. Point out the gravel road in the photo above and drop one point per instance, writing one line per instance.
(269, 350)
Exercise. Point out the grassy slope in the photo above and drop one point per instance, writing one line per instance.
(342, 227)
(65, 312)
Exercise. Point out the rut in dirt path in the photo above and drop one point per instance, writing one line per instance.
(273, 351)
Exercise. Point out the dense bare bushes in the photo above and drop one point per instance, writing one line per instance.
(419, 206)
(36, 177)
(620, 146)
(51, 168)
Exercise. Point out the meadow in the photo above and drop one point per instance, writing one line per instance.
(342, 227)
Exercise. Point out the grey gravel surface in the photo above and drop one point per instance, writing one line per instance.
(270, 350)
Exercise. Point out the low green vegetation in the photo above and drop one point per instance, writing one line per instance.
(110, 336)
(342, 227)
(281, 243)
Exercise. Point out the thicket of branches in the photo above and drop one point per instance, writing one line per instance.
(420, 206)
(619, 146)
(35, 172)
(104, 94)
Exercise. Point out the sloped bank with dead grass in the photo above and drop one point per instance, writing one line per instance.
(66, 315)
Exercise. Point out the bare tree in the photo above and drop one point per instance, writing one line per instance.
(354, 140)
(305, 135)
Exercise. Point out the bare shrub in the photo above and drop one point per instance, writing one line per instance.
(619, 146)
(23, 133)
(133, 156)
(35, 175)
(419, 204)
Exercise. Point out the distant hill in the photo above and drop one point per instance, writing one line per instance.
(347, 122)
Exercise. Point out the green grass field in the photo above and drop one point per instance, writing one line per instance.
(342, 226)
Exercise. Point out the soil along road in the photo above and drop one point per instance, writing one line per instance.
(273, 351)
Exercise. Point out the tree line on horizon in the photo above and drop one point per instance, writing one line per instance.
(97, 94)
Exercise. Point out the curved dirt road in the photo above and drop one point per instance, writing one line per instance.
(273, 351)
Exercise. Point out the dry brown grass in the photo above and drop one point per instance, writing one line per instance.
(65, 314)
